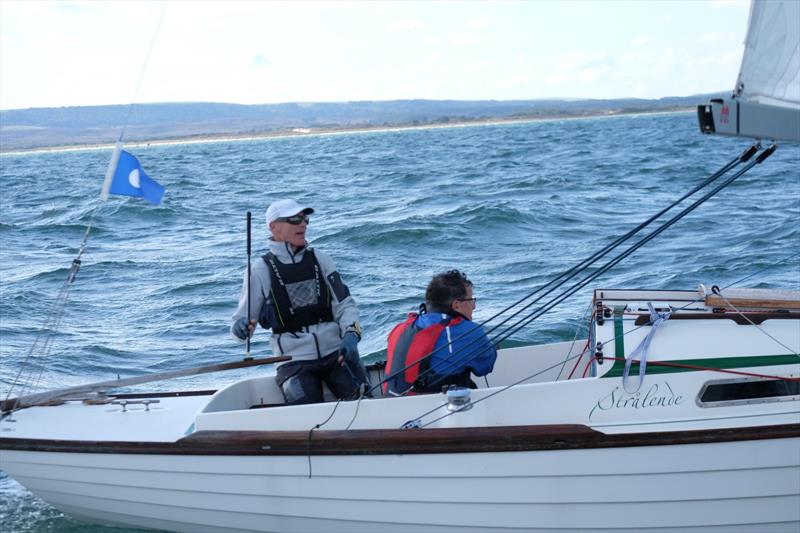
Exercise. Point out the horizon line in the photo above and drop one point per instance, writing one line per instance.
(316, 102)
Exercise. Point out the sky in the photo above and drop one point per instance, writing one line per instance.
(55, 54)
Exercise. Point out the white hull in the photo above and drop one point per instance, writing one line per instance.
(750, 485)
(697, 448)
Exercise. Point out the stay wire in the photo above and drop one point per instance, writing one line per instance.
(44, 335)
(747, 154)
(568, 358)
(757, 272)
(718, 292)
(574, 288)
(582, 321)
(570, 273)
(579, 355)
(654, 363)
(698, 300)
(494, 393)
(53, 321)
(144, 69)
(615, 261)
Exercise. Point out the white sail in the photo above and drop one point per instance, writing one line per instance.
(766, 101)
(770, 71)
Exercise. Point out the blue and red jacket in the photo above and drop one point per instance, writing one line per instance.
(457, 344)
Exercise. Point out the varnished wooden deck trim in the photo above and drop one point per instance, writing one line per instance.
(403, 441)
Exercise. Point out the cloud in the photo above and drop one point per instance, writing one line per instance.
(577, 60)
(406, 25)
(710, 37)
(580, 66)
(465, 38)
(733, 57)
(593, 74)
(428, 64)
(462, 38)
(259, 60)
(474, 31)
(514, 81)
(724, 4)
(478, 24)
(253, 52)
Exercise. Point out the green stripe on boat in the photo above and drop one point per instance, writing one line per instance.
(719, 362)
(619, 340)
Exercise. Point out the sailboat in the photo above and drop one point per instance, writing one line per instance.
(681, 412)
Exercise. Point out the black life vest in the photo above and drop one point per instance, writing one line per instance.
(300, 296)
(408, 345)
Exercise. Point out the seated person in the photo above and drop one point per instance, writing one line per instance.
(442, 338)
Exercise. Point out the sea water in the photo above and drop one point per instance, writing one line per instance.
(511, 205)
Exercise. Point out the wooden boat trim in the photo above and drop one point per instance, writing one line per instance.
(403, 441)
(765, 298)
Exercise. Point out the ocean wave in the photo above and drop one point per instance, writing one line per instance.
(512, 205)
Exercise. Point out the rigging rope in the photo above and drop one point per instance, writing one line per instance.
(654, 363)
(53, 320)
(589, 312)
(467, 356)
(490, 395)
(577, 269)
(711, 369)
(622, 359)
(144, 69)
(578, 357)
(616, 260)
(656, 320)
(716, 290)
(311, 431)
(697, 300)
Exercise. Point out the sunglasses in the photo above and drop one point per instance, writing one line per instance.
(473, 300)
(294, 220)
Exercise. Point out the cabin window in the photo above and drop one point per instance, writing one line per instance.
(740, 391)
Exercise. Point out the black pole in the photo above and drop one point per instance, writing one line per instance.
(247, 351)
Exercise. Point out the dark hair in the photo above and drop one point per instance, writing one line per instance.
(444, 289)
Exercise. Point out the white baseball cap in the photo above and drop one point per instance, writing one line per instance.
(285, 208)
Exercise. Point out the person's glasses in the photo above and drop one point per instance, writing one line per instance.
(294, 220)
(473, 300)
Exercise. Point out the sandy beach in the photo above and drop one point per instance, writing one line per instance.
(343, 130)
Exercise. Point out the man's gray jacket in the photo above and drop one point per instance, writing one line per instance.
(316, 340)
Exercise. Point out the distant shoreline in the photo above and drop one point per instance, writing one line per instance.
(334, 130)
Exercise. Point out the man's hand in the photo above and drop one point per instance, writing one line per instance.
(348, 351)
(243, 329)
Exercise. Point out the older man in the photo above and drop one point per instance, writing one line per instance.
(296, 292)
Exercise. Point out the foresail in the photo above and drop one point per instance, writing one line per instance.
(766, 100)
(770, 71)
